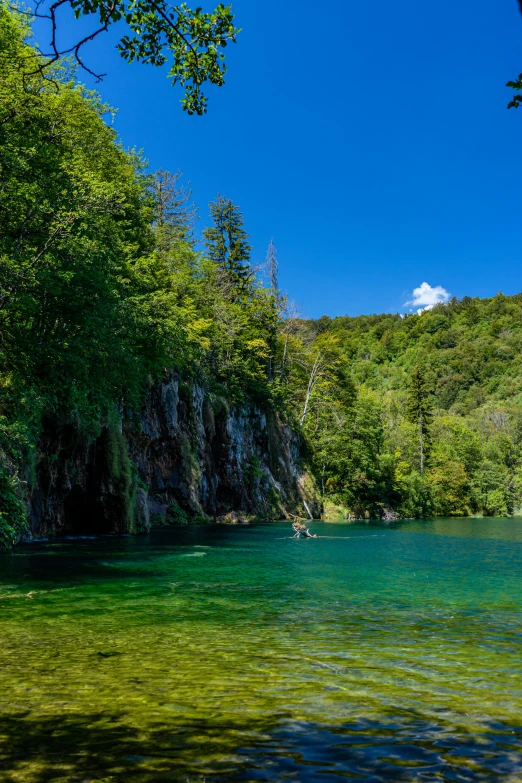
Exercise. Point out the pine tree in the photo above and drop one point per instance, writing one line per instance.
(418, 410)
(227, 245)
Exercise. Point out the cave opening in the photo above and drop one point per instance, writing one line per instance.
(83, 515)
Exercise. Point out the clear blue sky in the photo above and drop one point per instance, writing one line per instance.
(370, 139)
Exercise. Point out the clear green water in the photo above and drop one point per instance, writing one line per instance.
(215, 653)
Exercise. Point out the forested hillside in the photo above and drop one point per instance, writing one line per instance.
(436, 424)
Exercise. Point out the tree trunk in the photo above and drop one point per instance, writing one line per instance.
(311, 384)
(283, 364)
(421, 433)
(307, 401)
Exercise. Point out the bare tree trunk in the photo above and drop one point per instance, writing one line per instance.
(307, 402)
(283, 364)
(421, 444)
(311, 384)
(305, 504)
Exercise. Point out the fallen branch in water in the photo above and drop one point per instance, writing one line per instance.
(301, 530)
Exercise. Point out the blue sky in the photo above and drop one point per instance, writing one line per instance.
(370, 139)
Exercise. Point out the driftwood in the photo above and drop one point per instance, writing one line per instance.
(301, 530)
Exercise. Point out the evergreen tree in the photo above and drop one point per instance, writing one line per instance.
(418, 410)
(227, 244)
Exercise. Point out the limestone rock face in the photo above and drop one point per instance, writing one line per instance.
(187, 454)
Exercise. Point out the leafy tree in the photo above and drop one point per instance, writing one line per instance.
(155, 33)
(451, 489)
(492, 490)
(418, 409)
(174, 213)
(320, 366)
(354, 469)
(416, 496)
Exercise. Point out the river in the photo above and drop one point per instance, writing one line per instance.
(371, 653)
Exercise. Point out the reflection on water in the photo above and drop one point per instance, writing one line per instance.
(210, 653)
(468, 527)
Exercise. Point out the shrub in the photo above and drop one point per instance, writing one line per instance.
(176, 515)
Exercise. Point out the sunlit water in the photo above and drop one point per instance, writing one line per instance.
(215, 653)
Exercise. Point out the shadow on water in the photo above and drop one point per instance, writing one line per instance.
(71, 561)
(103, 747)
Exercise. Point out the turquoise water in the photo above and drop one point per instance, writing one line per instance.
(213, 653)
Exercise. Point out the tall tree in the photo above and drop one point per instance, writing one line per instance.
(227, 244)
(419, 410)
(174, 212)
(321, 369)
(288, 327)
(273, 267)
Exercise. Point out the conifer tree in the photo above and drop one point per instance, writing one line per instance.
(227, 245)
(418, 410)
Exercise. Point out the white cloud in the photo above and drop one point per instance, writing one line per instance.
(425, 297)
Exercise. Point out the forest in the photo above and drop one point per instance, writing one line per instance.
(106, 284)
(435, 424)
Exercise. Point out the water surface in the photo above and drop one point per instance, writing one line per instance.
(372, 653)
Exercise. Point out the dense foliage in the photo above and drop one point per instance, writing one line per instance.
(436, 428)
(101, 287)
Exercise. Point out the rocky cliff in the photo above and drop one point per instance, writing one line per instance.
(187, 456)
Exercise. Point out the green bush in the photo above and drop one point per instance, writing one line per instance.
(12, 510)
(176, 515)
(201, 519)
